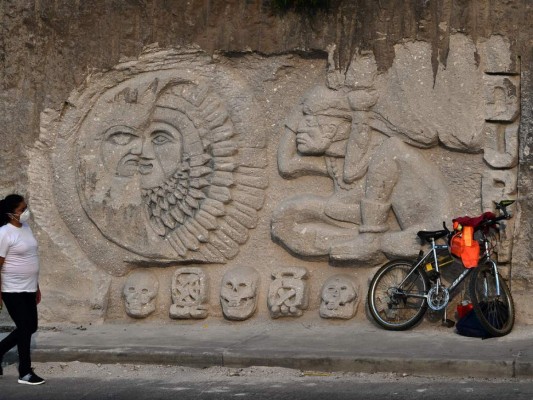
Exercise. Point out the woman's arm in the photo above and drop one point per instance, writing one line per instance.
(1, 263)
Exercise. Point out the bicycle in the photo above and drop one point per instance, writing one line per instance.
(401, 290)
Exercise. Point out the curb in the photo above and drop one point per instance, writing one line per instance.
(202, 358)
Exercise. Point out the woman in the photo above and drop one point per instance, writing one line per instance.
(19, 266)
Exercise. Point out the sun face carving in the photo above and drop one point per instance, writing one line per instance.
(157, 161)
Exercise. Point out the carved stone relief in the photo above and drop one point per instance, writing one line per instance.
(367, 131)
(140, 293)
(156, 158)
(501, 98)
(288, 293)
(502, 110)
(161, 162)
(238, 293)
(338, 134)
(339, 298)
(189, 294)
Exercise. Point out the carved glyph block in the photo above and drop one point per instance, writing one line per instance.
(189, 294)
(502, 97)
(502, 151)
(238, 293)
(496, 186)
(496, 55)
(339, 298)
(288, 293)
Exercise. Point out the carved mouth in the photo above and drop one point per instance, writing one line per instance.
(237, 303)
(128, 166)
(146, 168)
(300, 140)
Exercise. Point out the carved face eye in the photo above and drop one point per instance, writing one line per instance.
(310, 121)
(120, 135)
(131, 289)
(144, 291)
(242, 285)
(160, 138)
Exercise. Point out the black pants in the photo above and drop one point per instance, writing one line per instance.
(22, 308)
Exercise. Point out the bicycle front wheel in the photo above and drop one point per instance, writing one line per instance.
(397, 303)
(495, 313)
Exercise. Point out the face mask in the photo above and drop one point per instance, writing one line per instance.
(24, 216)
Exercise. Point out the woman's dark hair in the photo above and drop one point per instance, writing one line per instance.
(8, 205)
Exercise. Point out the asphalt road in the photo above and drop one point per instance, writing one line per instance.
(77, 381)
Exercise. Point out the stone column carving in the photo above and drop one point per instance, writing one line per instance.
(502, 111)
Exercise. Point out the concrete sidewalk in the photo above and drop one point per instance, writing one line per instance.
(338, 346)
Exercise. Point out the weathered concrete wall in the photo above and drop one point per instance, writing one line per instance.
(425, 73)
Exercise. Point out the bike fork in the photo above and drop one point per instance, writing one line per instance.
(496, 279)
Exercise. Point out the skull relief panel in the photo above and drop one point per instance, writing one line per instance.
(238, 293)
(140, 293)
(339, 298)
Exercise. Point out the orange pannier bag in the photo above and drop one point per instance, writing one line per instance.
(464, 246)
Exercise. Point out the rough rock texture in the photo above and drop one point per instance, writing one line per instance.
(452, 79)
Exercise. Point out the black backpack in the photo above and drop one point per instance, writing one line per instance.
(470, 326)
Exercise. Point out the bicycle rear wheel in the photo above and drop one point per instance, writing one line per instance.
(393, 306)
(495, 313)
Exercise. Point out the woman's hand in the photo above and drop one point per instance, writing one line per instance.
(38, 295)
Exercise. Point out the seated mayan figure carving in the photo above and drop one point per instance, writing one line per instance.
(384, 189)
(314, 143)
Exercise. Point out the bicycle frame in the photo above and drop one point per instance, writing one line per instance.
(433, 252)
(402, 290)
(487, 259)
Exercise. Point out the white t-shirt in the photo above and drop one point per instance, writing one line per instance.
(20, 271)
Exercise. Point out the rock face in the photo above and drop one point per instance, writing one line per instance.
(227, 154)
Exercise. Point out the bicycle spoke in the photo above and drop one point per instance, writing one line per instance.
(396, 307)
(495, 313)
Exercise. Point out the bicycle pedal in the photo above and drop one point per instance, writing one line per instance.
(448, 323)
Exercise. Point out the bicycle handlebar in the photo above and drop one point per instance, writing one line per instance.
(502, 206)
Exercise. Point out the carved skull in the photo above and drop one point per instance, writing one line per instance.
(338, 298)
(140, 291)
(238, 293)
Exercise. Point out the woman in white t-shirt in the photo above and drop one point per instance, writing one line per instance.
(19, 282)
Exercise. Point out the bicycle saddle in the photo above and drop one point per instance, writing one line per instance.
(432, 235)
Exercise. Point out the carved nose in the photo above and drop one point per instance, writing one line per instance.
(145, 148)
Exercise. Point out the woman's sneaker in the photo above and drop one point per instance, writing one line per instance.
(31, 379)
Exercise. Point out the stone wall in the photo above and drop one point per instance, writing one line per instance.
(210, 159)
